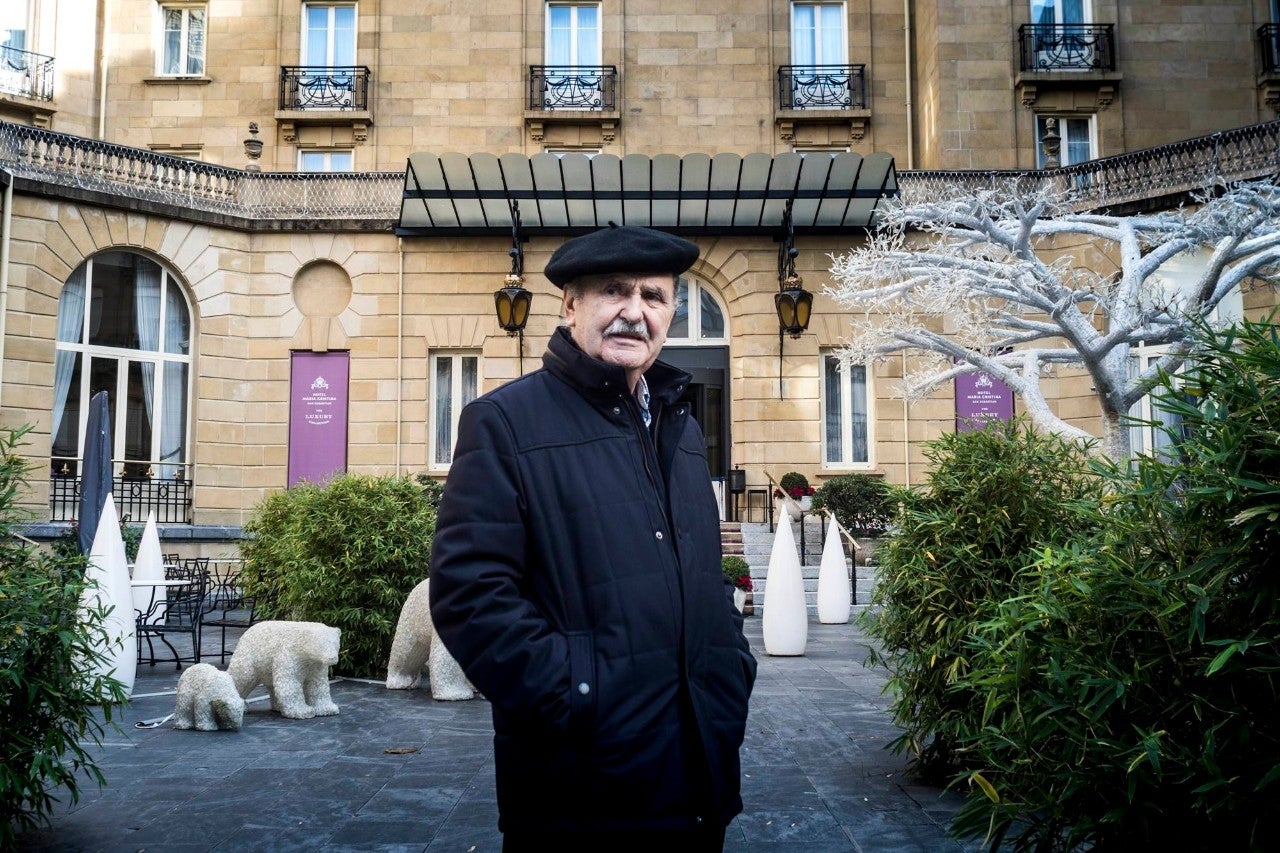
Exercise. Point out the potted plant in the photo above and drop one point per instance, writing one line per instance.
(796, 486)
(739, 574)
(861, 503)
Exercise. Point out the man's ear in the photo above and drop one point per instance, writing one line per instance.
(569, 305)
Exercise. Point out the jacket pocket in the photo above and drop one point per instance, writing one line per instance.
(582, 681)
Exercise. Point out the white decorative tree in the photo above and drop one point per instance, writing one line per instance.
(1025, 284)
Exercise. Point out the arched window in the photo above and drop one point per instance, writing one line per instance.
(124, 327)
(700, 318)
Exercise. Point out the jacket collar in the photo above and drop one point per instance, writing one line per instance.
(596, 379)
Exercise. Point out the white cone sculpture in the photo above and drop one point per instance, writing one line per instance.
(786, 616)
(149, 566)
(108, 567)
(835, 599)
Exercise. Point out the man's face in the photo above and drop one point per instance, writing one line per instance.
(621, 319)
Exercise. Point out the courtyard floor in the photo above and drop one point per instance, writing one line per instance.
(398, 771)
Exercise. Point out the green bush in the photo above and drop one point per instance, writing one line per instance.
(1131, 692)
(737, 571)
(858, 501)
(346, 554)
(993, 497)
(49, 654)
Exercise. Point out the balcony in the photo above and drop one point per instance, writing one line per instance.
(822, 105)
(137, 494)
(26, 83)
(332, 95)
(573, 87)
(1067, 58)
(576, 104)
(822, 87)
(1067, 47)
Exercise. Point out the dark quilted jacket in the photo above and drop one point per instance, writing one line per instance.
(575, 576)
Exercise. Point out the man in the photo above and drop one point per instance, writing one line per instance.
(575, 574)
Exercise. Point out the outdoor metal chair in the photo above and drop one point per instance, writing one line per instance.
(226, 605)
(179, 611)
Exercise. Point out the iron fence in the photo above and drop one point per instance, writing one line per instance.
(136, 497)
(573, 87)
(1067, 47)
(324, 87)
(822, 87)
(354, 199)
(25, 73)
(1269, 48)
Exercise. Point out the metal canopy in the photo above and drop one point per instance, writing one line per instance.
(457, 195)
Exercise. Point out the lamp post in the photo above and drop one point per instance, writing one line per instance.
(512, 301)
(793, 303)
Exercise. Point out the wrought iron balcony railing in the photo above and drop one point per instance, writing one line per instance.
(1269, 46)
(324, 87)
(573, 87)
(1067, 47)
(25, 73)
(822, 87)
(139, 493)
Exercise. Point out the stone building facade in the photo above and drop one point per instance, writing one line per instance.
(203, 137)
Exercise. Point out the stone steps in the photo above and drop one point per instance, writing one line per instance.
(757, 546)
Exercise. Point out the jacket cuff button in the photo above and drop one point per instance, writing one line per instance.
(584, 688)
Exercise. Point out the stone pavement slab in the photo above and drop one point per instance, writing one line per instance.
(398, 771)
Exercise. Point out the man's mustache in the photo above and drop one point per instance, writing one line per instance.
(621, 328)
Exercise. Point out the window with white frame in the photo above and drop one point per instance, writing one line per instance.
(1154, 429)
(700, 316)
(326, 161)
(1077, 139)
(329, 34)
(1172, 287)
(846, 413)
(15, 22)
(182, 38)
(818, 34)
(124, 327)
(455, 381)
(573, 34)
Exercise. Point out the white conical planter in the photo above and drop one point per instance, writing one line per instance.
(149, 566)
(835, 601)
(786, 618)
(107, 565)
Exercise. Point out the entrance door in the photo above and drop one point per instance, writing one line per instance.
(708, 399)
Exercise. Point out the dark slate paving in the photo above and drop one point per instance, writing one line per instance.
(816, 775)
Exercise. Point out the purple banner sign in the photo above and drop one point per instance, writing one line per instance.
(317, 415)
(980, 397)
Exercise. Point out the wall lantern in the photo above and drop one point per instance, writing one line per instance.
(793, 303)
(512, 301)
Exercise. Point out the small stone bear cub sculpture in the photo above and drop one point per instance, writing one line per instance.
(207, 700)
(416, 644)
(292, 659)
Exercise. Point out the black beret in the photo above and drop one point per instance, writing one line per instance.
(620, 249)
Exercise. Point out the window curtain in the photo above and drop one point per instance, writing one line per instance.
(817, 35)
(146, 307)
(173, 415)
(70, 330)
(831, 381)
(858, 413)
(444, 410)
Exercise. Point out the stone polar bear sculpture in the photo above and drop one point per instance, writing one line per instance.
(415, 644)
(292, 659)
(207, 700)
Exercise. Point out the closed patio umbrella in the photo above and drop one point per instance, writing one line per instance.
(95, 472)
